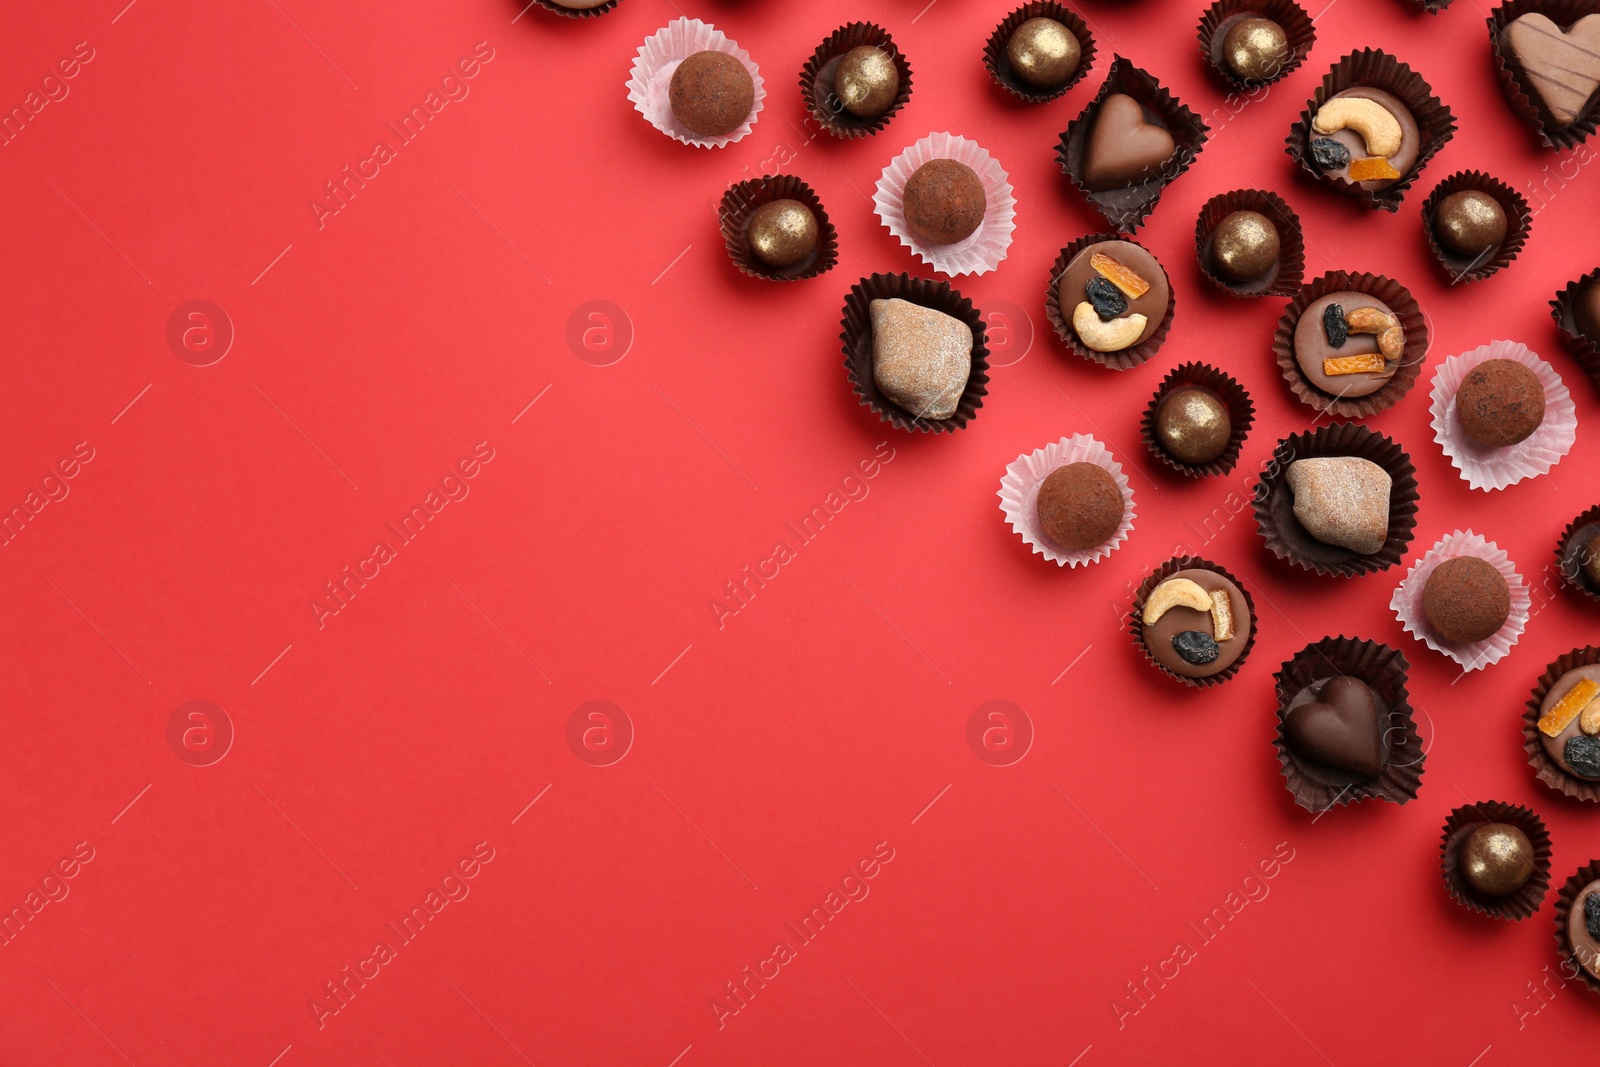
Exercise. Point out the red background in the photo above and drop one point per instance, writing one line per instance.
(771, 755)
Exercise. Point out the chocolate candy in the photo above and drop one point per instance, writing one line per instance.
(944, 202)
(1108, 301)
(1402, 158)
(711, 93)
(782, 233)
(1496, 859)
(1073, 285)
(1244, 246)
(1581, 754)
(1080, 506)
(1195, 648)
(1336, 723)
(1563, 69)
(1470, 223)
(1329, 154)
(1342, 501)
(921, 358)
(1591, 561)
(1123, 148)
(1313, 344)
(1334, 326)
(1586, 311)
(1161, 637)
(866, 81)
(1583, 928)
(1255, 49)
(1556, 746)
(1500, 403)
(1193, 426)
(1043, 53)
(1466, 599)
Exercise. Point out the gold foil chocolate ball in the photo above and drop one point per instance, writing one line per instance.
(1255, 49)
(1469, 222)
(1043, 53)
(1591, 561)
(1245, 246)
(866, 81)
(782, 233)
(1193, 426)
(1497, 859)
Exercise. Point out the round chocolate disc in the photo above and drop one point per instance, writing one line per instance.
(1356, 146)
(944, 202)
(711, 93)
(1043, 53)
(1255, 49)
(1312, 347)
(1080, 506)
(1072, 286)
(1466, 599)
(782, 233)
(1500, 403)
(1193, 426)
(1245, 246)
(1583, 928)
(866, 81)
(1178, 640)
(1469, 223)
(1572, 734)
(1496, 859)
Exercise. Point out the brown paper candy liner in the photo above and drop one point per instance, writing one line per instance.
(1519, 220)
(1127, 358)
(572, 13)
(1563, 308)
(1572, 550)
(1127, 208)
(1548, 770)
(816, 80)
(1286, 276)
(1461, 823)
(857, 338)
(1376, 70)
(1161, 574)
(742, 200)
(1219, 18)
(999, 68)
(1274, 503)
(1383, 669)
(1433, 7)
(1524, 99)
(1566, 900)
(1392, 293)
(1241, 412)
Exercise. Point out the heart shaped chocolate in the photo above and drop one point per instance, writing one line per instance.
(1123, 149)
(1340, 729)
(1562, 69)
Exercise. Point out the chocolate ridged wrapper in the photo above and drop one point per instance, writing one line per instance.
(742, 200)
(1400, 301)
(1522, 100)
(857, 338)
(1563, 308)
(1461, 823)
(1566, 900)
(1274, 502)
(1519, 220)
(1127, 208)
(1127, 358)
(1433, 7)
(1284, 278)
(1383, 670)
(816, 80)
(1161, 574)
(1572, 551)
(1241, 413)
(1548, 770)
(1373, 69)
(999, 68)
(586, 13)
(1220, 17)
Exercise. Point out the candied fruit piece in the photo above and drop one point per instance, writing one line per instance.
(1221, 615)
(1106, 299)
(1328, 153)
(1373, 168)
(1567, 708)
(1120, 276)
(1371, 363)
(1334, 326)
(1195, 648)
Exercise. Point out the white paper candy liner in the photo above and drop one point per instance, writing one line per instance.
(1407, 601)
(659, 57)
(1019, 497)
(981, 251)
(1495, 468)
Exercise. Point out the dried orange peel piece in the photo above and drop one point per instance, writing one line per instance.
(1568, 707)
(1371, 363)
(1221, 615)
(1129, 282)
(1373, 168)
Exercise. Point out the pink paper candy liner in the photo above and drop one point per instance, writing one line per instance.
(658, 58)
(1563, 308)
(1019, 497)
(1523, 100)
(981, 251)
(1460, 825)
(1544, 767)
(1565, 901)
(1475, 655)
(816, 80)
(1495, 468)
(1572, 552)
(741, 202)
(1290, 270)
(999, 68)
(1519, 221)
(1161, 574)
(1219, 18)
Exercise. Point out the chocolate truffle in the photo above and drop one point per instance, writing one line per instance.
(782, 233)
(1193, 426)
(1470, 223)
(1080, 506)
(1569, 722)
(1255, 49)
(1244, 246)
(1562, 68)
(1342, 500)
(1466, 599)
(921, 358)
(1337, 724)
(1195, 623)
(711, 93)
(1591, 561)
(1124, 148)
(1363, 327)
(1496, 859)
(1583, 928)
(1500, 403)
(1586, 311)
(1364, 136)
(944, 202)
(1043, 53)
(866, 81)
(1114, 295)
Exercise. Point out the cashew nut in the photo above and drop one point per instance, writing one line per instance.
(1391, 335)
(1376, 125)
(1175, 593)
(1589, 718)
(1111, 336)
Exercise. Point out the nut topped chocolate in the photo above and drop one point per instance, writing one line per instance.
(1366, 137)
(1349, 344)
(1196, 623)
(1583, 928)
(1569, 722)
(1114, 295)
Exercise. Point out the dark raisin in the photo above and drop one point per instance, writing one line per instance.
(1108, 301)
(1329, 154)
(1194, 647)
(1582, 754)
(1591, 914)
(1334, 326)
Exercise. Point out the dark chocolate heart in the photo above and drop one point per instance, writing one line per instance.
(1340, 729)
(1562, 69)
(1123, 149)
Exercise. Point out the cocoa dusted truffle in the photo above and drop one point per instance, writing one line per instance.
(944, 202)
(1193, 426)
(711, 93)
(1080, 506)
(1043, 53)
(1466, 599)
(1470, 223)
(1500, 403)
(1496, 859)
